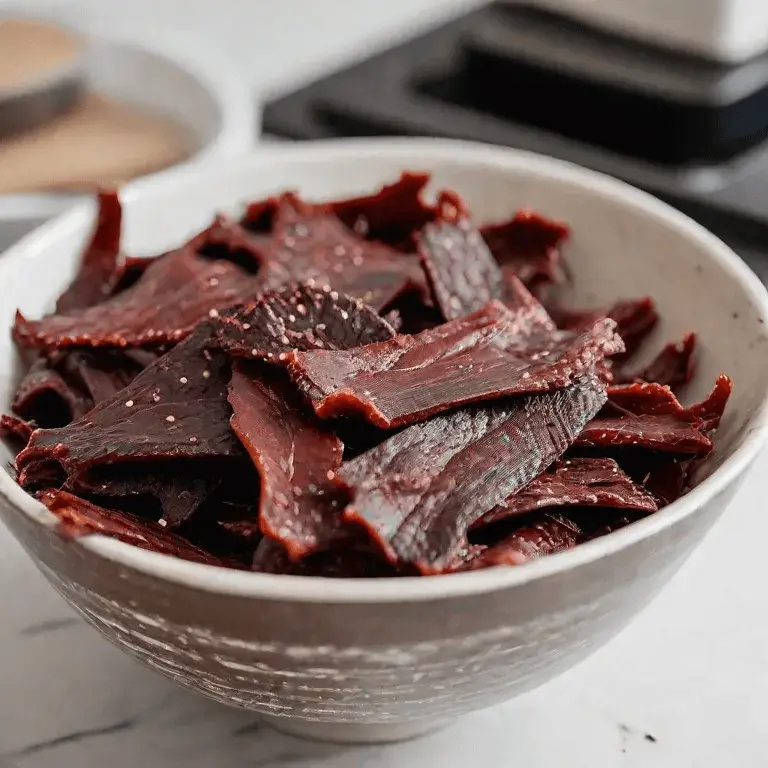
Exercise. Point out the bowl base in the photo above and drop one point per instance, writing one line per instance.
(354, 733)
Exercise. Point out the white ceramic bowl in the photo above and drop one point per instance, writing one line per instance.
(386, 659)
(203, 92)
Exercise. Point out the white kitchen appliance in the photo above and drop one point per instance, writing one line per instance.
(722, 30)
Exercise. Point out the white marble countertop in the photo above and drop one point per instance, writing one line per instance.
(685, 686)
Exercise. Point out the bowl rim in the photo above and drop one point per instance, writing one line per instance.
(415, 152)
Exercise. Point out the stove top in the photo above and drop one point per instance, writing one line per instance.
(690, 131)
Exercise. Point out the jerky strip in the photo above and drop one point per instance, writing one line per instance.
(586, 482)
(553, 533)
(78, 517)
(421, 490)
(295, 458)
(461, 271)
(298, 317)
(175, 293)
(480, 357)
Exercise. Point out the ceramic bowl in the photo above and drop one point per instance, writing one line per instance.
(374, 660)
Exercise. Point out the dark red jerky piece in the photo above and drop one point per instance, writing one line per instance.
(419, 492)
(529, 312)
(553, 533)
(78, 517)
(44, 397)
(586, 482)
(179, 490)
(99, 263)
(16, 430)
(310, 244)
(177, 408)
(296, 459)
(710, 410)
(352, 562)
(635, 319)
(484, 356)
(461, 271)
(298, 317)
(529, 246)
(650, 416)
(175, 293)
(674, 366)
(667, 433)
(226, 240)
(392, 214)
(102, 373)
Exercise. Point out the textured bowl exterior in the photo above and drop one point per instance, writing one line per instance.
(360, 663)
(388, 659)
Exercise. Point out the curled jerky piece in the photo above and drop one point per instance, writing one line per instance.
(78, 517)
(310, 243)
(98, 269)
(528, 245)
(461, 271)
(635, 319)
(176, 408)
(487, 355)
(392, 214)
(180, 489)
(15, 429)
(553, 533)
(175, 293)
(44, 397)
(299, 505)
(585, 482)
(421, 490)
(298, 317)
(650, 416)
(673, 366)
(226, 240)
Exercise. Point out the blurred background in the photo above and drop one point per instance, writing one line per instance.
(670, 95)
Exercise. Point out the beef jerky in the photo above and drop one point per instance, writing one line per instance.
(585, 482)
(635, 319)
(461, 271)
(175, 293)
(528, 245)
(392, 214)
(44, 397)
(529, 312)
(101, 373)
(673, 366)
(309, 243)
(710, 410)
(78, 517)
(486, 355)
(177, 408)
(299, 504)
(99, 263)
(354, 561)
(180, 489)
(420, 491)
(650, 416)
(16, 430)
(226, 240)
(668, 433)
(553, 533)
(298, 317)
